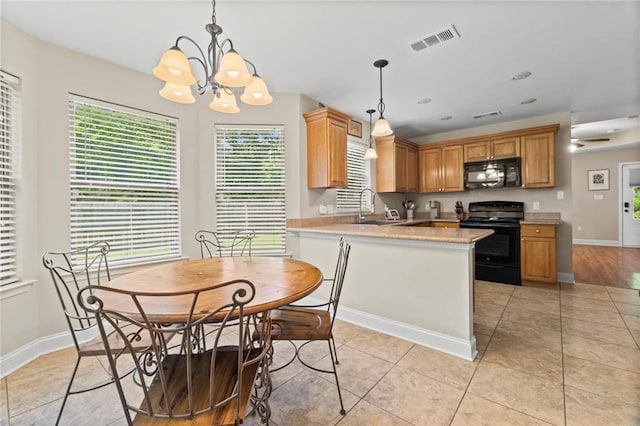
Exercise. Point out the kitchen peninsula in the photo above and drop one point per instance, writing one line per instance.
(414, 282)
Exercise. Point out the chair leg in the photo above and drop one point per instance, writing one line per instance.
(66, 394)
(334, 358)
(335, 350)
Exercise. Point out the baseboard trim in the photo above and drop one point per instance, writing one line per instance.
(565, 277)
(32, 350)
(430, 339)
(608, 243)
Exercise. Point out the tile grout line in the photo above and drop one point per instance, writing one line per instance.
(564, 385)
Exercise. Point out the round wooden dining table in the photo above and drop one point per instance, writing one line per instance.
(278, 282)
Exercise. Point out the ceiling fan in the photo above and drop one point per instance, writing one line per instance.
(594, 140)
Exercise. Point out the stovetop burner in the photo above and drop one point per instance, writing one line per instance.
(495, 211)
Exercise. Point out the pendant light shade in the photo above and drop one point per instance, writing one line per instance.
(224, 101)
(180, 93)
(256, 92)
(371, 153)
(174, 68)
(233, 71)
(382, 127)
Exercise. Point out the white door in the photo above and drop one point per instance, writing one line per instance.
(630, 189)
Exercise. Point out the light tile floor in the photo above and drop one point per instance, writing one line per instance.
(568, 355)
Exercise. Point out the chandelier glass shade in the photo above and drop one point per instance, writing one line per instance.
(371, 153)
(223, 69)
(382, 127)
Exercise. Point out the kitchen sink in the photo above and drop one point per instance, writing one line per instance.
(378, 222)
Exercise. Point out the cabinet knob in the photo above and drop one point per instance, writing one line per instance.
(537, 231)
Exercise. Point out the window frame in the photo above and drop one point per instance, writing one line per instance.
(358, 149)
(10, 177)
(269, 225)
(153, 188)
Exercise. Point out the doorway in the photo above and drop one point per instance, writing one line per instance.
(630, 205)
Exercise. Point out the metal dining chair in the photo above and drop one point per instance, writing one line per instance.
(70, 271)
(211, 243)
(313, 322)
(180, 385)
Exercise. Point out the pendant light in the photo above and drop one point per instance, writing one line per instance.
(222, 69)
(381, 128)
(371, 153)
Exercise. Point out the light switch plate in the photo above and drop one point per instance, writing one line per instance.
(536, 205)
(560, 195)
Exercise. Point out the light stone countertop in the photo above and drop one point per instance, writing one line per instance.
(394, 231)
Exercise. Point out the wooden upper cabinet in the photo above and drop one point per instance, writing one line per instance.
(326, 148)
(508, 147)
(397, 165)
(538, 160)
(441, 169)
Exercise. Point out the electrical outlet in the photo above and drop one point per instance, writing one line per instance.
(598, 197)
(579, 228)
(560, 195)
(536, 205)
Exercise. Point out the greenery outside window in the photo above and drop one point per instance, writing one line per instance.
(124, 181)
(358, 178)
(250, 185)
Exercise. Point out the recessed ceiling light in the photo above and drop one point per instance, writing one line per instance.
(528, 101)
(424, 101)
(448, 117)
(521, 75)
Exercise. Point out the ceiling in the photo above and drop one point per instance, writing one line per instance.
(583, 57)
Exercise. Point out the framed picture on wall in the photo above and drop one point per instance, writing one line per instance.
(355, 128)
(598, 180)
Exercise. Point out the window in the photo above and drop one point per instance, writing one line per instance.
(358, 174)
(9, 174)
(250, 185)
(124, 181)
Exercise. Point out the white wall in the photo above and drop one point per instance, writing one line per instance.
(598, 218)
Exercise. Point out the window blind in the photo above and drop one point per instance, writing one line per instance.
(358, 172)
(9, 174)
(250, 185)
(124, 181)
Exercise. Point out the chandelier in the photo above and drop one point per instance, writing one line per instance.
(223, 68)
(371, 153)
(381, 128)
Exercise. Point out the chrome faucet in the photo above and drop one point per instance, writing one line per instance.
(361, 217)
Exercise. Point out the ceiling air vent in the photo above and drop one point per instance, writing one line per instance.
(436, 38)
(487, 114)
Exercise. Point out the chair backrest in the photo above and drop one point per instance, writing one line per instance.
(213, 244)
(209, 244)
(338, 276)
(241, 243)
(73, 270)
(185, 380)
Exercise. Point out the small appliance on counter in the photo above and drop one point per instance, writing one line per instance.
(392, 214)
(434, 207)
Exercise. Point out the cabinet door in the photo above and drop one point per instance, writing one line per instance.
(412, 170)
(445, 224)
(430, 164)
(538, 160)
(538, 259)
(505, 148)
(337, 154)
(401, 168)
(477, 151)
(452, 168)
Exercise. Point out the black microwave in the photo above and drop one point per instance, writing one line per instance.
(492, 173)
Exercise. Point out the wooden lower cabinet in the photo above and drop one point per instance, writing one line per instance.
(538, 251)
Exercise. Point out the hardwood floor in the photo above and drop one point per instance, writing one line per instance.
(612, 266)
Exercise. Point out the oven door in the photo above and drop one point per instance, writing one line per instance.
(498, 256)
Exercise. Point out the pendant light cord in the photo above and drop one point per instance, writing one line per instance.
(381, 105)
